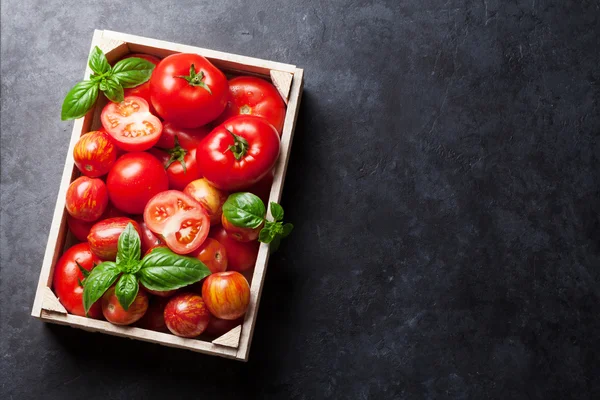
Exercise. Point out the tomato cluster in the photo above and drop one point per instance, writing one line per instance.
(165, 160)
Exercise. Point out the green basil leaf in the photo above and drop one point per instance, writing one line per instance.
(112, 90)
(129, 248)
(132, 72)
(126, 290)
(80, 99)
(245, 210)
(100, 279)
(275, 244)
(164, 270)
(265, 235)
(98, 62)
(276, 211)
(287, 229)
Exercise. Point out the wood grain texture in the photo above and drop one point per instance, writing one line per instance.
(283, 83)
(51, 303)
(230, 339)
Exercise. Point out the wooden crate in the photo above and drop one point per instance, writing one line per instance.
(234, 344)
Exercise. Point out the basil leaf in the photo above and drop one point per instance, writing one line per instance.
(274, 244)
(129, 248)
(244, 210)
(80, 99)
(164, 270)
(132, 72)
(266, 235)
(276, 211)
(287, 229)
(126, 290)
(98, 62)
(112, 90)
(100, 279)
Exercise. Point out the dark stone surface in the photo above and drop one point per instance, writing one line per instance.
(443, 183)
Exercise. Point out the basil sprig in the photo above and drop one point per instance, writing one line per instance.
(127, 73)
(160, 270)
(246, 210)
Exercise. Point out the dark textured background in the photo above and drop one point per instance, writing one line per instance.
(443, 183)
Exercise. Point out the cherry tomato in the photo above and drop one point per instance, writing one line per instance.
(116, 314)
(130, 124)
(187, 90)
(241, 256)
(212, 254)
(217, 326)
(87, 198)
(179, 219)
(142, 90)
(188, 138)
(180, 165)
(81, 229)
(226, 294)
(104, 236)
(67, 277)
(148, 238)
(238, 233)
(154, 318)
(211, 198)
(94, 154)
(134, 179)
(249, 95)
(238, 153)
(186, 315)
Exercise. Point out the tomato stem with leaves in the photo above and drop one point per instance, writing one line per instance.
(195, 79)
(239, 148)
(127, 73)
(246, 210)
(177, 153)
(160, 270)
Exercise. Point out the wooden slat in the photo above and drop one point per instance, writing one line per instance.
(260, 269)
(283, 83)
(51, 303)
(230, 339)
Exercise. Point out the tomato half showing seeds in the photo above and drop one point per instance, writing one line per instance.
(179, 219)
(238, 153)
(94, 154)
(116, 314)
(187, 90)
(142, 90)
(249, 95)
(241, 256)
(87, 198)
(104, 236)
(186, 315)
(67, 277)
(134, 179)
(130, 124)
(226, 294)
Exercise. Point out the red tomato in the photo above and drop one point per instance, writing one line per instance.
(67, 276)
(188, 138)
(238, 233)
(226, 294)
(262, 188)
(179, 219)
(130, 124)
(241, 256)
(238, 153)
(148, 238)
(134, 179)
(81, 229)
(94, 154)
(116, 314)
(104, 236)
(186, 315)
(180, 165)
(212, 254)
(142, 90)
(249, 95)
(87, 198)
(218, 326)
(187, 90)
(154, 318)
(211, 198)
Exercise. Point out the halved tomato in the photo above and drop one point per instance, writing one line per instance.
(180, 220)
(131, 124)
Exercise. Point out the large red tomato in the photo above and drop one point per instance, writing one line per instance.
(238, 153)
(250, 95)
(142, 90)
(94, 154)
(188, 138)
(226, 294)
(67, 277)
(87, 198)
(180, 164)
(130, 124)
(134, 179)
(187, 90)
(241, 256)
(178, 219)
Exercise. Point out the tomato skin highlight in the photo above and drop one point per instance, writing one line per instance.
(241, 256)
(218, 163)
(249, 95)
(188, 138)
(238, 233)
(134, 180)
(211, 198)
(116, 314)
(65, 279)
(142, 90)
(81, 229)
(104, 236)
(94, 154)
(212, 254)
(178, 177)
(226, 294)
(182, 103)
(87, 198)
(186, 315)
